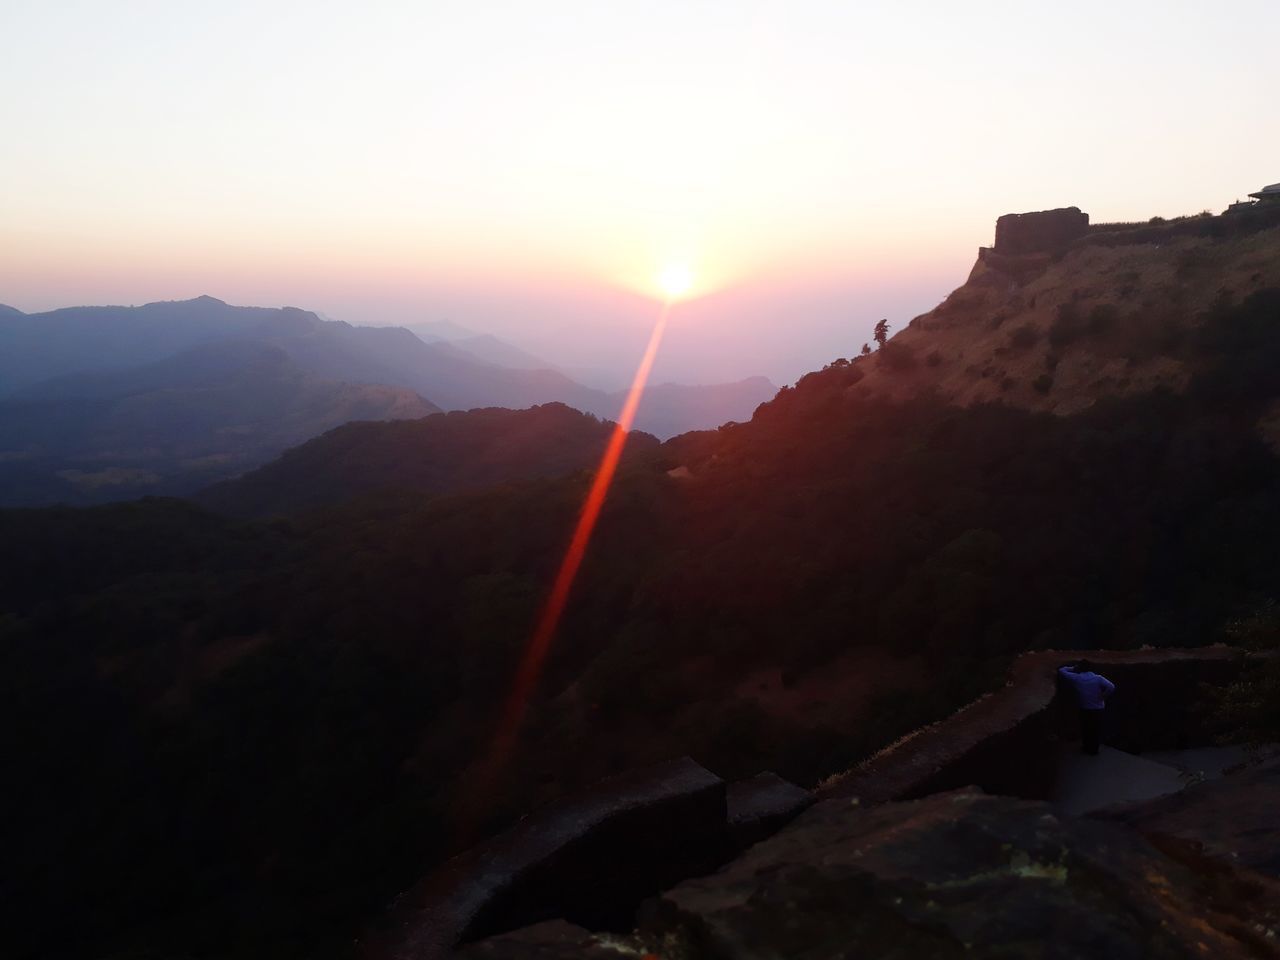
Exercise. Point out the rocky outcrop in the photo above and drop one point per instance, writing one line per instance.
(1236, 819)
(1044, 231)
(1007, 336)
(761, 806)
(957, 874)
(1000, 741)
(962, 875)
(897, 863)
(590, 859)
(553, 940)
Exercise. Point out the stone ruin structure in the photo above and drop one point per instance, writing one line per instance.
(1026, 243)
(1047, 231)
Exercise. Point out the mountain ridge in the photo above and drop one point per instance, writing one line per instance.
(446, 453)
(35, 347)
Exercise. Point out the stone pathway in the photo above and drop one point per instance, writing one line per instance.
(1205, 763)
(1088, 783)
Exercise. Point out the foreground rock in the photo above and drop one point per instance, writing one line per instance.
(999, 741)
(553, 940)
(1236, 819)
(963, 874)
(589, 860)
(761, 806)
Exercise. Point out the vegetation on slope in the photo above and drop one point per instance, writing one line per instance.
(1103, 320)
(440, 454)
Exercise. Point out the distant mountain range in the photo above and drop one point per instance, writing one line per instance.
(454, 375)
(100, 403)
(173, 425)
(481, 346)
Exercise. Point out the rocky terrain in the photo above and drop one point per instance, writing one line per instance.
(1059, 324)
(957, 874)
(963, 872)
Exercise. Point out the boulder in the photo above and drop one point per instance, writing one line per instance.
(759, 807)
(589, 859)
(553, 940)
(963, 874)
(1236, 818)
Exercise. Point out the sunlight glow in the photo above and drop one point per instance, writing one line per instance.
(675, 281)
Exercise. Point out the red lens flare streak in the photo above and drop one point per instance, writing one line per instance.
(535, 654)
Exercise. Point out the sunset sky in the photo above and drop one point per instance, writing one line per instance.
(528, 169)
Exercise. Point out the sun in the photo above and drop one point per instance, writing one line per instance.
(675, 280)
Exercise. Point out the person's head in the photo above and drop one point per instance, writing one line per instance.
(1084, 666)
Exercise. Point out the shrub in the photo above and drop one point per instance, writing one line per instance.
(1067, 325)
(897, 356)
(1072, 323)
(1024, 337)
(1102, 318)
(1190, 262)
(1043, 383)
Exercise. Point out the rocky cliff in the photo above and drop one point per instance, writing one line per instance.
(1054, 318)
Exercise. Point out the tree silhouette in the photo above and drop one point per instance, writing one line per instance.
(881, 333)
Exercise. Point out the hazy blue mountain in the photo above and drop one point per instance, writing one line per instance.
(482, 346)
(433, 330)
(175, 425)
(37, 347)
(494, 350)
(667, 409)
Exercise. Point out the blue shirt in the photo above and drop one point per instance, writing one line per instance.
(1092, 690)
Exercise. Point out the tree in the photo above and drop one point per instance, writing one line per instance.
(866, 350)
(881, 333)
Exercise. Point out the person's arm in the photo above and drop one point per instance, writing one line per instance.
(1067, 670)
(1108, 687)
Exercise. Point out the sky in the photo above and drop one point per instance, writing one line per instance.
(528, 169)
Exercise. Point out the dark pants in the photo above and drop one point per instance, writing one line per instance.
(1090, 730)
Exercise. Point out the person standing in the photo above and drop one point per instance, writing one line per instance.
(1091, 691)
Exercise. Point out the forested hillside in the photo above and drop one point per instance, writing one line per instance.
(248, 736)
(441, 454)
